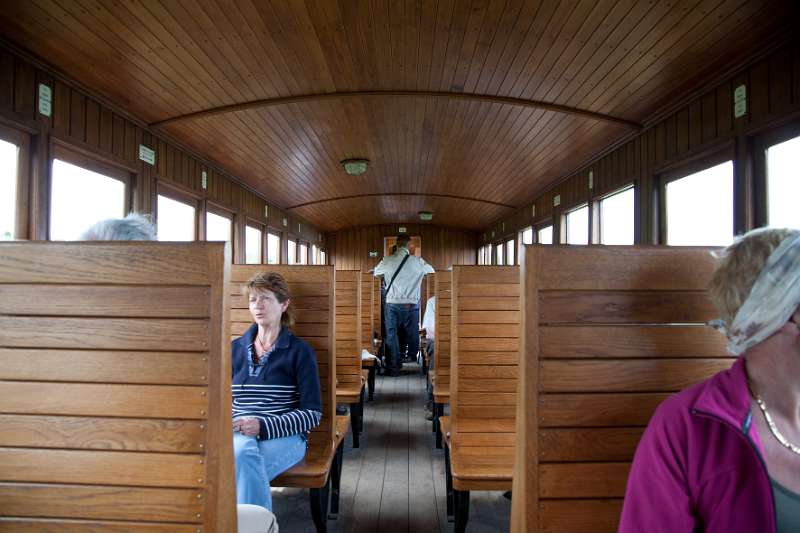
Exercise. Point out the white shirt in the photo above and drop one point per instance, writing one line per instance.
(405, 289)
(429, 319)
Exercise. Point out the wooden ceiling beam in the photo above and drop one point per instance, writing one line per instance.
(386, 194)
(504, 100)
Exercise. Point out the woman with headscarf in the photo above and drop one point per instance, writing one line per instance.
(724, 455)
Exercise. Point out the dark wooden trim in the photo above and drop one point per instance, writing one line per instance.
(91, 159)
(696, 161)
(371, 195)
(492, 99)
(22, 140)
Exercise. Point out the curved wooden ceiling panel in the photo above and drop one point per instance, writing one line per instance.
(620, 58)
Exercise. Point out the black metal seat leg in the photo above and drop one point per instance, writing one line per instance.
(371, 381)
(448, 482)
(336, 479)
(461, 508)
(354, 424)
(319, 506)
(438, 410)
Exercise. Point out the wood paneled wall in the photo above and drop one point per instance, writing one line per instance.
(84, 124)
(701, 130)
(441, 247)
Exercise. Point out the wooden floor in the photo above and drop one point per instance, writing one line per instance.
(395, 481)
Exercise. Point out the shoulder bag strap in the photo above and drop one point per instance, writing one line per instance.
(396, 272)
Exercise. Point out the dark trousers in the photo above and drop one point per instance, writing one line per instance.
(401, 319)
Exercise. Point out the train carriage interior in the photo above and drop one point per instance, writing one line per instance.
(497, 221)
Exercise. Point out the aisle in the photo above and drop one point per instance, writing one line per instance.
(394, 483)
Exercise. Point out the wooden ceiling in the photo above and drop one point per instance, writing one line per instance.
(405, 67)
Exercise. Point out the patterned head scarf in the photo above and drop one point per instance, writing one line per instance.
(773, 299)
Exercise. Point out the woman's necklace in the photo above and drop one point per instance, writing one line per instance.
(773, 428)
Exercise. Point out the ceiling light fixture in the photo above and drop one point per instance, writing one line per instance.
(425, 215)
(354, 167)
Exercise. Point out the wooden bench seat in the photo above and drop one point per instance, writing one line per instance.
(115, 409)
(312, 292)
(368, 332)
(440, 375)
(349, 381)
(610, 332)
(485, 331)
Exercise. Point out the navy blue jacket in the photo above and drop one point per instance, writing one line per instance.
(283, 392)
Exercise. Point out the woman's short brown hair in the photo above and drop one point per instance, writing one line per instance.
(276, 284)
(739, 266)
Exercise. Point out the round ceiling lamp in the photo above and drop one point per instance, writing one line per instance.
(355, 167)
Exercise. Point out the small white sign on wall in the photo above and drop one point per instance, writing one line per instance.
(740, 101)
(204, 180)
(401, 229)
(373, 253)
(45, 100)
(285, 222)
(148, 155)
(556, 200)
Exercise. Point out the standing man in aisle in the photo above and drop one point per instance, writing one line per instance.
(402, 273)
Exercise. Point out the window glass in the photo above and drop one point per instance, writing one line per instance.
(545, 235)
(218, 228)
(273, 249)
(175, 220)
(79, 198)
(323, 258)
(498, 251)
(527, 236)
(292, 253)
(314, 254)
(303, 259)
(9, 157)
(700, 208)
(481, 260)
(783, 184)
(510, 252)
(252, 245)
(616, 218)
(578, 226)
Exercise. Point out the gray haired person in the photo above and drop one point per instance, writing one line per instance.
(134, 227)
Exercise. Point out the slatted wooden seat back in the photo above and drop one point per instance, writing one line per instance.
(311, 287)
(367, 282)
(348, 331)
(485, 356)
(609, 333)
(441, 340)
(115, 401)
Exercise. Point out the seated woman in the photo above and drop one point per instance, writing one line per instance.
(276, 392)
(724, 455)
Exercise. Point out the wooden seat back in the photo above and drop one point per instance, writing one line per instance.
(348, 330)
(115, 401)
(609, 333)
(367, 311)
(311, 287)
(441, 341)
(486, 333)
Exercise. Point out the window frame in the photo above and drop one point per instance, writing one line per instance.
(300, 245)
(539, 226)
(597, 214)
(296, 247)
(280, 246)
(22, 140)
(220, 211)
(180, 194)
(564, 235)
(92, 162)
(761, 143)
(263, 229)
(499, 253)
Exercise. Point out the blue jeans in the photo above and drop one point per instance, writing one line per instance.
(260, 461)
(400, 319)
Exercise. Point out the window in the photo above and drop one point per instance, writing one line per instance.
(273, 249)
(510, 252)
(616, 216)
(498, 254)
(700, 208)
(80, 197)
(481, 256)
(9, 158)
(545, 235)
(176, 220)
(218, 227)
(783, 186)
(252, 245)
(323, 257)
(314, 254)
(292, 252)
(303, 254)
(577, 222)
(527, 235)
